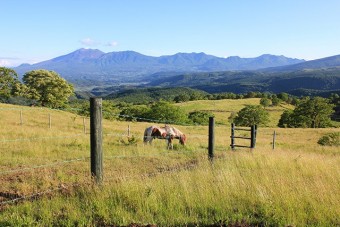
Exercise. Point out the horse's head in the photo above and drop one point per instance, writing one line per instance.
(182, 139)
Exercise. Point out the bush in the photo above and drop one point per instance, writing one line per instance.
(251, 115)
(200, 117)
(331, 139)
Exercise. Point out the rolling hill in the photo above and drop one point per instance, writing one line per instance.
(296, 82)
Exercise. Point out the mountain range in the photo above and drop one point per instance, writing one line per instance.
(99, 73)
(130, 66)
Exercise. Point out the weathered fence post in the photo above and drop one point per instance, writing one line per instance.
(211, 138)
(253, 136)
(49, 121)
(96, 139)
(274, 138)
(21, 120)
(232, 136)
(84, 125)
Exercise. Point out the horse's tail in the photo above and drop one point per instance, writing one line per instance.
(148, 134)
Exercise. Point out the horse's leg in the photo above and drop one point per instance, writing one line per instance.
(170, 144)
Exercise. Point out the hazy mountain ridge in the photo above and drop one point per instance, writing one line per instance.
(328, 62)
(125, 66)
(195, 70)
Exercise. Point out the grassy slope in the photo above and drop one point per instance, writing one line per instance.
(223, 108)
(297, 184)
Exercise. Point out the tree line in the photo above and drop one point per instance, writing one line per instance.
(47, 88)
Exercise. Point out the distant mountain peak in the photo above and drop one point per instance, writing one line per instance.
(81, 55)
(91, 64)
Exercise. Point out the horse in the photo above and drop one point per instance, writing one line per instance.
(167, 132)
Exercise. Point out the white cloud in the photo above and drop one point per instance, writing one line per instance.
(10, 61)
(89, 42)
(112, 44)
(5, 63)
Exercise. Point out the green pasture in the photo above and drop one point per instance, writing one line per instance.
(45, 173)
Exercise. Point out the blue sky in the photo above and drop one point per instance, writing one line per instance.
(37, 30)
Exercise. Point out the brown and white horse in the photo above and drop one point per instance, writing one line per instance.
(167, 132)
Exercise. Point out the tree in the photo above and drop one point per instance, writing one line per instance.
(265, 102)
(163, 111)
(9, 83)
(315, 113)
(286, 119)
(182, 98)
(47, 88)
(200, 117)
(275, 101)
(134, 112)
(283, 96)
(252, 115)
(309, 113)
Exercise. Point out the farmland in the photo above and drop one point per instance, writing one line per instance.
(45, 173)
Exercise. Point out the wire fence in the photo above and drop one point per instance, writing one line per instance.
(124, 133)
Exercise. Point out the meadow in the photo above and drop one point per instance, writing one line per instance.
(45, 173)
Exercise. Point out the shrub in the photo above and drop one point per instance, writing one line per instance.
(252, 115)
(331, 139)
(200, 117)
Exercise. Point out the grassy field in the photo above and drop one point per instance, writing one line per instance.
(223, 108)
(45, 174)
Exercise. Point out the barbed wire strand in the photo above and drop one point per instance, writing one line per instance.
(38, 194)
(40, 138)
(25, 197)
(149, 155)
(115, 115)
(44, 165)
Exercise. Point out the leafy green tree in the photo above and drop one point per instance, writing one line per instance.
(48, 88)
(163, 111)
(9, 83)
(275, 101)
(315, 112)
(265, 102)
(134, 112)
(252, 115)
(286, 119)
(309, 113)
(200, 117)
(182, 98)
(283, 96)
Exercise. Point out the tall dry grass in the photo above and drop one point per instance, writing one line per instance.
(296, 184)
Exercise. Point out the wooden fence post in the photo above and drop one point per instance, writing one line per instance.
(84, 125)
(232, 136)
(274, 138)
(49, 121)
(96, 139)
(211, 138)
(21, 119)
(253, 136)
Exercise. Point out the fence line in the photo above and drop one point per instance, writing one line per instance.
(31, 196)
(44, 165)
(38, 194)
(169, 171)
(166, 170)
(149, 155)
(112, 114)
(39, 138)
